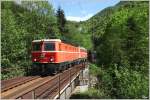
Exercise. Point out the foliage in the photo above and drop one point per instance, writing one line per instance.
(118, 34)
(77, 34)
(61, 21)
(94, 70)
(124, 36)
(90, 94)
(123, 83)
(116, 82)
(22, 23)
(14, 72)
(30, 20)
(121, 43)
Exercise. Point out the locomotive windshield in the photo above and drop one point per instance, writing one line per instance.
(36, 46)
(49, 46)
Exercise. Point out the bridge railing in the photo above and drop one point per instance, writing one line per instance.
(54, 86)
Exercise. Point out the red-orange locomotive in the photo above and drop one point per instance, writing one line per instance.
(53, 55)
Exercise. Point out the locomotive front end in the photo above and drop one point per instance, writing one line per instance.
(43, 51)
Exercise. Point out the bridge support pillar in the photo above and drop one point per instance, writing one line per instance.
(81, 80)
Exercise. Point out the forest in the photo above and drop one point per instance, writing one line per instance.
(119, 35)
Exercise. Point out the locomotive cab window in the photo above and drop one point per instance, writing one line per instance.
(49, 46)
(36, 46)
(60, 47)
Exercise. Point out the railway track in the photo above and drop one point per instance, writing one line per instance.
(11, 83)
(38, 87)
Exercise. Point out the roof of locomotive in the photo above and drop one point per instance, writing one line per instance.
(58, 40)
(54, 40)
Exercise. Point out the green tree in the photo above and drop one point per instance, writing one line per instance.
(22, 23)
(61, 21)
(121, 43)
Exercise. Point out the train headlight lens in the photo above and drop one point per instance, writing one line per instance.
(51, 59)
(34, 59)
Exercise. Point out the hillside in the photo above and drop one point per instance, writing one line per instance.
(118, 34)
(120, 39)
(22, 23)
(125, 20)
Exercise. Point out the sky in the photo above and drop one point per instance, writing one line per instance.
(81, 10)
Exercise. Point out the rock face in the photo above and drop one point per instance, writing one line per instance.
(85, 81)
(84, 77)
(80, 89)
(92, 81)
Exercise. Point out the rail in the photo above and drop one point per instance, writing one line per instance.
(11, 83)
(50, 88)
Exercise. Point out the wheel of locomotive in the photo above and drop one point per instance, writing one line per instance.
(34, 69)
(44, 70)
(69, 65)
(62, 67)
(59, 68)
(48, 69)
(55, 70)
(65, 67)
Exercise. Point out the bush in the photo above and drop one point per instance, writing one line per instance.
(94, 70)
(16, 72)
(121, 82)
(92, 93)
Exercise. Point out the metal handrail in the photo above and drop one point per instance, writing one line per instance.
(55, 85)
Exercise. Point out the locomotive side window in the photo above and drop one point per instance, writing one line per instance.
(49, 46)
(60, 47)
(36, 46)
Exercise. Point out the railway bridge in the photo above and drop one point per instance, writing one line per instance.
(59, 86)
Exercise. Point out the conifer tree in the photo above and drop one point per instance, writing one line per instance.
(61, 21)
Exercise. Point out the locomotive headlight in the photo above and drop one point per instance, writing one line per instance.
(51, 59)
(34, 59)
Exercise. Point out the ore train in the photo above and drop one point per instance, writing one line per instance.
(50, 56)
